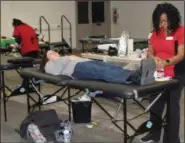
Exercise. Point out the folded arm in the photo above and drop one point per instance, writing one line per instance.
(16, 35)
(17, 39)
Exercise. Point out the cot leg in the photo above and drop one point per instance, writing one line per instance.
(69, 104)
(83, 48)
(112, 118)
(118, 109)
(39, 87)
(40, 102)
(4, 95)
(125, 119)
(140, 105)
(27, 96)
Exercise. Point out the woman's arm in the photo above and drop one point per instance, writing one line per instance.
(177, 58)
(16, 35)
(151, 52)
(17, 39)
(179, 44)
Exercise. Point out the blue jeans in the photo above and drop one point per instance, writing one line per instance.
(98, 70)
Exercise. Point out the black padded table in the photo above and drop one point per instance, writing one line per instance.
(61, 81)
(5, 50)
(123, 91)
(61, 47)
(120, 90)
(14, 64)
(19, 63)
(57, 80)
(52, 44)
(48, 46)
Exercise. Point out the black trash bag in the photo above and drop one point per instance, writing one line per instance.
(112, 51)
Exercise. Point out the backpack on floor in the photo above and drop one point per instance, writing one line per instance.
(42, 126)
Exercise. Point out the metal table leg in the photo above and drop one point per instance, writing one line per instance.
(125, 119)
(4, 95)
(69, 103)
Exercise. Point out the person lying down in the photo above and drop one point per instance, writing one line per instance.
(86, 69)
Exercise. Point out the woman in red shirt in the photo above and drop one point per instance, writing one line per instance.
(167, 48)
(26, 37)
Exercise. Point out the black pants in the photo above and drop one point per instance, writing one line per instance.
(172, 98)
(32, 54)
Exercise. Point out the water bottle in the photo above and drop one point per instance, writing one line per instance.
(123, 43)
(67, 135)
(34, 133)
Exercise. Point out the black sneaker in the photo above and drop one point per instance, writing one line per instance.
(148, 139)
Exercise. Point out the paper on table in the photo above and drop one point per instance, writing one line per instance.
(163, 79)
(114, 38)
(158, 77)
(106, 46)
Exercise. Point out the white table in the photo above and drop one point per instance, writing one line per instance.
(113, 59)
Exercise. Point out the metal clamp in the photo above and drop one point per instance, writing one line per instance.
(136, 95)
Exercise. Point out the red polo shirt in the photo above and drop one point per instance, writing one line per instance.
(28, 37)
(164, 47)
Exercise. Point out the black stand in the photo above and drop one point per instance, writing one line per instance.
(19, 91)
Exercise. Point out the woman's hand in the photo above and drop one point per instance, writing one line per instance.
(160, 63)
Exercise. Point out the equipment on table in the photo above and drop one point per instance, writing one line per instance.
(112, 51)
(135, 43)
(7, 41)
(9, 47)
(123, 43)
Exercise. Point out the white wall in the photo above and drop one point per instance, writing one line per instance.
(136, 16)
(30, 11)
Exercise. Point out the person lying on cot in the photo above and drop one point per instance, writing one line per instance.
(81, 68)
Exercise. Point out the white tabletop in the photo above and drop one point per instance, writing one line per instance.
(107, 58)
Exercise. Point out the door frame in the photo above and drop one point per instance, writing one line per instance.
(107, 15)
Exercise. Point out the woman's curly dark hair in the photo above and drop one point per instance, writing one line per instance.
(173, 15)
(17, 22)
